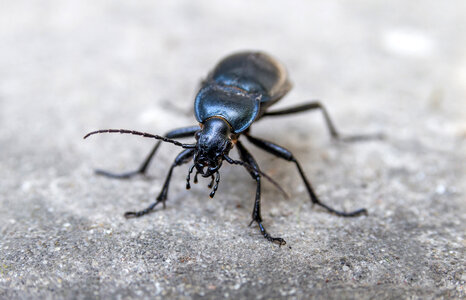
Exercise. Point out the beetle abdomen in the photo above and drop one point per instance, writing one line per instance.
(253, 72)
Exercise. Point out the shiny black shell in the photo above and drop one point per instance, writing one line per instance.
(240, 88)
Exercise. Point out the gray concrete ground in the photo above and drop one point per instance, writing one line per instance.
(68, 67)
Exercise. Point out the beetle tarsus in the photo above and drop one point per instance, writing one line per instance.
(276, 240)
(361, 137)
(355, 213)
(126, 175)
(137, 214)
(266, 235)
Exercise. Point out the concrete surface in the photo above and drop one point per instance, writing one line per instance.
(69, 67)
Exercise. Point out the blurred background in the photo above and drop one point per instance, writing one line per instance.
(69, 67)
(117, 58)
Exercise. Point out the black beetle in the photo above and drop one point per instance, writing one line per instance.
(235, 94)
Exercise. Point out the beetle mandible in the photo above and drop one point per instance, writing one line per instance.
(238, 92)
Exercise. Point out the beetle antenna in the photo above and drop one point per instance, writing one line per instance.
(143, 134)
(251, 168)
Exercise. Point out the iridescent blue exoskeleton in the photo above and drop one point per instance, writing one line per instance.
(237, 93)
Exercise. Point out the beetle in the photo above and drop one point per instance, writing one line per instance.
(237, 93)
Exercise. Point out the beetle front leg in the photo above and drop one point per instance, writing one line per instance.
(256, 213)
(173, 134)
(256, 216)
(287, 155)
(182, 158)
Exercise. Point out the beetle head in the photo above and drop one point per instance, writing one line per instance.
(213, 142)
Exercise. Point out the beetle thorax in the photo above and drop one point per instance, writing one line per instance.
(213, 141)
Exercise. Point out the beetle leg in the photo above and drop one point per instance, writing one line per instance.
(256, 213)
(211, 184)
(182, 158)
(287, 155)
(331, 127)
(176, 133)
(188, 178)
